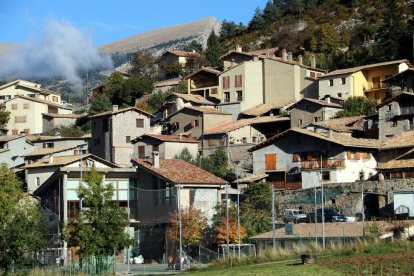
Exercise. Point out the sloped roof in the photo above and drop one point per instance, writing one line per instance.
(7, 138)
(401, 140)
(40, 101)
(236, 124)
(404, 161)
(210, 70)
(111, 113)
(336, 138)
(180, 172)
(264, 108)
(315, 101)
(260, 52)
(409, 70)
(30, 85)
(167, 83)
(47, 151)
(180, 53)
(167, 138)
(66, 160)
(332, 230)
(395, 98)
(193, 98)
(42, 138)
(56, 115)
(205, 110)
(251, 178)
(346, 124)
(364, 67)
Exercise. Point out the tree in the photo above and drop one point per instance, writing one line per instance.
(229, 29)
(256, 208)
(100, 228)
(194, 63)
(217, 164)
(358, 106)
(23, 226)
(100, 103)
(143, 65)
(220, 225)
(174, 70)
(213, 50)
(186, 156)
(66, 131)
(270, 12)
(257, 22)
(4, 116)
(194, 45)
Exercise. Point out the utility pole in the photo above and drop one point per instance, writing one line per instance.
(323, 213)
(180, 225)
(238, 207)
(227, 219)
(363, 210)
(316, 219)
(273, 217)
(81, 176)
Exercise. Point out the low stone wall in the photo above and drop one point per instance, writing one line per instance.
(345, 196)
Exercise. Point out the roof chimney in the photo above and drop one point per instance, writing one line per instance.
(329, 133)
(284, 55)
(239, 48)
(313, 62)
(50, 159)
(290, 57)
(156, 159)
(328, 99)
(115, 108)
(300, 59)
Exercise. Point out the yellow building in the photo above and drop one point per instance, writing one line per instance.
(363, 80)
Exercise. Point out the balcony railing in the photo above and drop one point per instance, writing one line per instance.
(326, 164)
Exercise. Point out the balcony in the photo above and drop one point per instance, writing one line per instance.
(326, 164)
(407, 110)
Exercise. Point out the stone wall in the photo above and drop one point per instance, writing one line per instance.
(346, 197)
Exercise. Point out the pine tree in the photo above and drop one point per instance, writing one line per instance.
(257, 22)
(270, 12)
(213, 50)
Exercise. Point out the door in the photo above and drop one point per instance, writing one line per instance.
(376, 82)
(141, 152)
(270, 162)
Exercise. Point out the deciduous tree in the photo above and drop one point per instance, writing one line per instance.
(4, 116)
(358, 106)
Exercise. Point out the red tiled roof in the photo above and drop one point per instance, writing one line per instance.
(168, 138)
(181, 172)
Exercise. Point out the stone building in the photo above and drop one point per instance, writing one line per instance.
(52, 121)
(113, 131)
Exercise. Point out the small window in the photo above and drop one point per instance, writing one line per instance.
(394, 123)
(343, 81)
(361, 175)
(139, 123)
(326, 176)
(226, 97)
(254, 139)
(330, 82)
(15, 132)
(315, 119)
(239, 95)
(37, 181)
(155, 148)
(196, 123)
(128, 139)
(55, 99)
(26, 131)
(300, 121)
(26, 106)
(14, 106)
(244, 140)
(339, 95)
(213, 91)
(238, 81)
(226, 82)
(389, 107)
(20, 119)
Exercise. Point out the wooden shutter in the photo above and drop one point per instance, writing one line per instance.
(365, 155)
(349, 155)
(357, 155)
(295, 157)
(270, 162)
(141, 151)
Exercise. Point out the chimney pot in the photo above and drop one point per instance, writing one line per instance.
(328, 99)
(300, 59)
(313, 62)
(290, 56)
(115, 108)
(51, 159)
(156, 159)
(239, 48)
(329, 133)
(284, 55)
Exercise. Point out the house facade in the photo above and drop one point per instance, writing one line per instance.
(292, 159)
(366, 80)
(26, 114)
(113, 131)
(307, 111)
(172, 57)
(168, 146)
(27, 89)
(205, 83)
(12, 149)
(52, 121)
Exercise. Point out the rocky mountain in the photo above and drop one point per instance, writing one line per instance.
(160, 40)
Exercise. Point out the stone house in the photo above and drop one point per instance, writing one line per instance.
(396, 115)
(192, 121)
(12, 149)
(205, 83)
(366, 80)
(26, 114)
(113, 131)
(177, 101)
(307, 111)
(173, 57)
(401, 82)
(52, 121)
(165, 186)
(292, 159)
(267, 109)
(27, 89)
(167, 85)
(168, 146)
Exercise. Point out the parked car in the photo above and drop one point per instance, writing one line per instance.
(294, 215)
(330, 215)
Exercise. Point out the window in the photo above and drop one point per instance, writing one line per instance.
(15, 132)
(326, 176)
(361, 175)
(212, 142)
(330, 82)
(213, 91)
(20, 119)
(365, 155)
(139, 123)
(73, 209)
(394, 123)
(254, 139)
(105, 125)
(239, 95)
(14, 106)
(315, 119)
(141, 151)
(244, 140)
(175, 126)
(195, 123)
(155, 148)
(226, 82)
(389, 107)
(37, 181)
(339, 95)
(238, 81)
(343, 81)
(226, 97)
(354, 155)
(312, 75)
(128, 139)
(300, 122)
(26, 106)
(32, 95)
(55, 99)
(270, 162)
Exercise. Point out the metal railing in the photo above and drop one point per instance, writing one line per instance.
(326, 164)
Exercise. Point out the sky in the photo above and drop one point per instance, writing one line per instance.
(107, 21)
